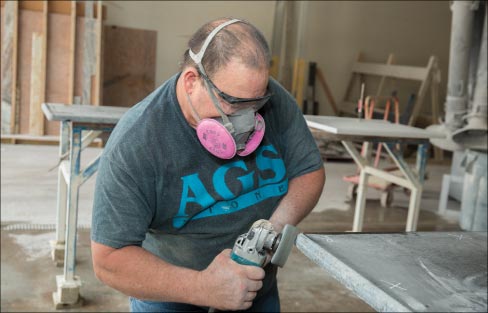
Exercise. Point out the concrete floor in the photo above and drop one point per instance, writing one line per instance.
(28, 208)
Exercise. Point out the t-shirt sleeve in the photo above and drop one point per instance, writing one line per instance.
(122, 210)
(300, 151)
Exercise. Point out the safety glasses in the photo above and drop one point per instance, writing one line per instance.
(235, 102)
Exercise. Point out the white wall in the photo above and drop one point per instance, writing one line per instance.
(334, 32)
(412, 30)
(176, 21)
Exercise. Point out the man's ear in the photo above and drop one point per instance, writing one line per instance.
(190, 79)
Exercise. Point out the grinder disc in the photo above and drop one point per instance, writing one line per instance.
(288, 236)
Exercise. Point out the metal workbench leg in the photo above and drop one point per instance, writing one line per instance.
(414, 205)
(57, 245)
(422, 161)
(413, 209)
(362, 162)
(357, 225)
(68, 285)
(414, 179)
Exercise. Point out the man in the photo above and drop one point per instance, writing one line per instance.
(194, 165)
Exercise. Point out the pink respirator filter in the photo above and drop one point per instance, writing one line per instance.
(219, 141)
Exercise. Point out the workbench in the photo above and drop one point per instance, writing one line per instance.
(75, 121)
(406, 272)
(390, 135)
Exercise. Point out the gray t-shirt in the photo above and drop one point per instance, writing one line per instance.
(157, 187)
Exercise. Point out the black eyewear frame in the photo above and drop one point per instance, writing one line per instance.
(235, 100)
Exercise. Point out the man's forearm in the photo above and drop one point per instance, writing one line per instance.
(303, 193)
(138, 273)
(224, 284)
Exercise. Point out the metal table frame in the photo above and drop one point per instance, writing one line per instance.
(412, 180)
(74, 120)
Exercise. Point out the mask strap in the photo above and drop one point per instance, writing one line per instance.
(227, 124)
(193, 111)
(197, 58)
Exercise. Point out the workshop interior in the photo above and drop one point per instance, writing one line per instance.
(394, 94)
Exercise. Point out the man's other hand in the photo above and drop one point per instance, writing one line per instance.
(229, 285)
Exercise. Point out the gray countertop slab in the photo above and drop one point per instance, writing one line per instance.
(399, 272)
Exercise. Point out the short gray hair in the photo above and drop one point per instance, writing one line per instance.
(240, 40)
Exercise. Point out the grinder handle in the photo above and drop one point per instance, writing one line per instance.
(241, 260)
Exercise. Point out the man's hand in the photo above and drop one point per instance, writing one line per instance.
(229, 285)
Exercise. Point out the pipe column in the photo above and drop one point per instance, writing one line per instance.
(474, 134)
(459, 53)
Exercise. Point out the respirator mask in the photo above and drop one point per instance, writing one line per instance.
(238, 133)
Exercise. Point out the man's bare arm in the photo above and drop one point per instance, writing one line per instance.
(136, 272)
(303, 193)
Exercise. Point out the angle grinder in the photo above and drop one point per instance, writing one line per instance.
(253, 247)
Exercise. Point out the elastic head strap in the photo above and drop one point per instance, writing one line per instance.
(194, 112)
(227, 124)
(197, 58)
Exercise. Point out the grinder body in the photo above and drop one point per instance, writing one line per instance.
(252, 247)
(261, 240)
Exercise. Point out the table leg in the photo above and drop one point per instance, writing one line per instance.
(415, 196)
(57, 245)
(68, 285)
(360, 202)
(415, 180)
(413, 209)
(362, 162)
(422, 161)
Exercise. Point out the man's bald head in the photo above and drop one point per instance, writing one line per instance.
(241, 41)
